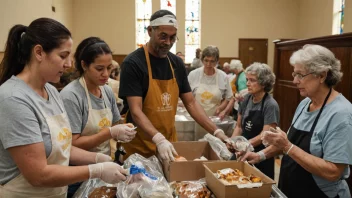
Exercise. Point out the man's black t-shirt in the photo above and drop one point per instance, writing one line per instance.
(134, 79)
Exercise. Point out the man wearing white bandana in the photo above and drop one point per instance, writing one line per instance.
(152, 79)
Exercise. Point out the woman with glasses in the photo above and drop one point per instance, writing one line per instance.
(318, 144)
(210, 86)
(258, 112)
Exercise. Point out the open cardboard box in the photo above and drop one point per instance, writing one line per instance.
(188, 170)
(224, 191)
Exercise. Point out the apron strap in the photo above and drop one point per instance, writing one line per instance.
(84, 84)
(316, 119)
(321, 110)
(57, 102)
(150, 66)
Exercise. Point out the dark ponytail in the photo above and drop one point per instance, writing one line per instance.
(88, 50)
(11, 55)
(21, 39)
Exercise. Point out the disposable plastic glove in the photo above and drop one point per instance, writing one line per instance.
(165, 148)
(109, 172)
(100, 157)
(122, 132)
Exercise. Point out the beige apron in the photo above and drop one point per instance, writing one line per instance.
(159, 106)
(61, 139)
(97, 120)
(209, 97)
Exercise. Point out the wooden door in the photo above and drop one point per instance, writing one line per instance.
(253, 50)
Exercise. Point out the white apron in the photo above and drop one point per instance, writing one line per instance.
(97, 120)
(61, 139)
(209, 97)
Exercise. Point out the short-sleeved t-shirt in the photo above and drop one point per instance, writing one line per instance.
(197, 76)
(271, 109)
(76, 104)
(331, 139)
(134, 79)
(22, 122)
(242, 82)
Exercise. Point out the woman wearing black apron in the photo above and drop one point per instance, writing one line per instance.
(318, 146)
(258, 112)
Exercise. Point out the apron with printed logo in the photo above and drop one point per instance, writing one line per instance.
(159, 106)
(97, 120)
(61, 139)
(209, 97)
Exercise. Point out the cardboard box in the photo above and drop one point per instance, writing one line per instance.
(225, 191)
(188, 170)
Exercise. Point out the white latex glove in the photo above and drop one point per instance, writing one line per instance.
(100, 157)
(165, 148)
(109, 172)
(122, 132)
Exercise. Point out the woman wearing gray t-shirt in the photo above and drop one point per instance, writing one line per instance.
(35, 137)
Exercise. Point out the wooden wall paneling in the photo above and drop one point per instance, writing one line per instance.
(222, 60)
(119, 58)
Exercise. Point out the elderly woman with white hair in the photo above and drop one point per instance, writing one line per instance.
(239, 88)
(258, 112)
(318, 145)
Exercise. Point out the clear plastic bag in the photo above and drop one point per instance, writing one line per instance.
(240, 143)
(146, 179)
(218, 146)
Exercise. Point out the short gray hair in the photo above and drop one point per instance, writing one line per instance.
(236, 64)
(212, 51)
(265, 75)
(226, 64)
(318, 59)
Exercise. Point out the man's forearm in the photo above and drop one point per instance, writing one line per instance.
(143, 122)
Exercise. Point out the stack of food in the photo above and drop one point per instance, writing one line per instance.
(181, 159)
(187, 189)
(235, 177)
(103, 192)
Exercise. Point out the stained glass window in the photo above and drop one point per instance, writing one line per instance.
(342, 15)
(339, 15)
(143, 13)
(192, 34)
(171, 6)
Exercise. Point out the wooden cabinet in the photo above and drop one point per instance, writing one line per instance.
(286, 93)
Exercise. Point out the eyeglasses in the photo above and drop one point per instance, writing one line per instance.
(300, 76)
(251, 80)
(209, 61)
(165, 37)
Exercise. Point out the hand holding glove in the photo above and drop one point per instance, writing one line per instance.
(109, 172)
(165, 148)
(122, 132)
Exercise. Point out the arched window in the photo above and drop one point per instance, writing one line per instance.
(143, 14)
(192, 28)
(171, 6)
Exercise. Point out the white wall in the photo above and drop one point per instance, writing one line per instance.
(224, 22)
(315, 18)
(348, 16)
(14, 12)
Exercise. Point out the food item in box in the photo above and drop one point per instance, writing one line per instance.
(103, 191)
(202, 158)
(255, 179)
(180, 159)
(236, 177)
(190, 189)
